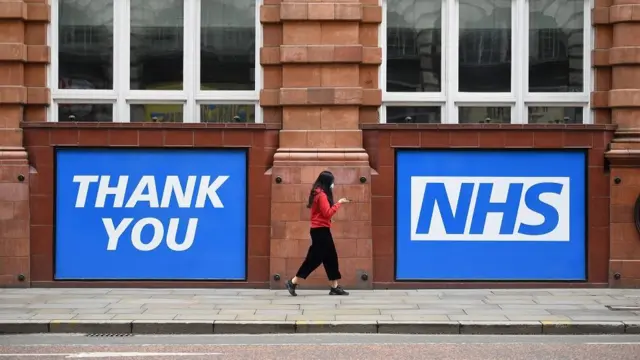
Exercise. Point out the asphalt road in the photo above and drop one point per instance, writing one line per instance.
(321, 347)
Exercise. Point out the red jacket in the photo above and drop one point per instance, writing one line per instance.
(321, 211)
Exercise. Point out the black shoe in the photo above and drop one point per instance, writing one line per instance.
(291, 287)
(338, 290)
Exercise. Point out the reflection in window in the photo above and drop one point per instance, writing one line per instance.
(157, 113)
(85, 37)
(216, 113)
(414, 46)
(157, 44)
(555, 115)
(227, 45)
(413, 115)
(85, 112)
(485, 46)
(556, 45)
(484, 115)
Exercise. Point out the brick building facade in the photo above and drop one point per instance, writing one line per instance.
(332, 89)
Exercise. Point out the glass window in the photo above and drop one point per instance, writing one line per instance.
(85, 44)
(85, 112)
(413, 115)
(485, 46)
(486, 115)
(227, 45)
(156, 113)
(414, 46)
(556, 45)
(555, 115)
(157, 44)
(217, 113)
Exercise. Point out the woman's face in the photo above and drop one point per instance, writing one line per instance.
(331, 186)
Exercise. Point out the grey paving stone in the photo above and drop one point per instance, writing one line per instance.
(205, 317)
(261, 317)
(483, 312)
(478, 318)
(24, 326)
(311, 317)
(358, 327)
(94, 317)
(167, 316)
(537, 318)
(278, 312)
(343, 312)
(172, 327)
(418, 327)
(582, 327)
(53, 316)
(363, 317)
(423, 312)
(15, 316)
(500, 327)
(253, 327)
(420, 317)
(90, 326)
(632, 327)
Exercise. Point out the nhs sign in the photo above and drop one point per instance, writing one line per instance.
(490, 215)
(150, 214)
(448, 208)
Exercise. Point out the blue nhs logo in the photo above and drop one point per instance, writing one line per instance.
(483, 208)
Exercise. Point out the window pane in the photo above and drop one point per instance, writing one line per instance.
(485, 46)
(488, 115)
(414, 46)
(555, 115)
(156, 44)
(216, 113)
(413, 115)
(156, 113)
(228, 45)
(85, 36)
(556, 46)
(85, 112)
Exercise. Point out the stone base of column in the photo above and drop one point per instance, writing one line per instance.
(624, 160)
(14, 218)
(294, 172)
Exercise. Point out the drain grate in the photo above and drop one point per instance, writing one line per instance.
(623, 307)
(109, 335)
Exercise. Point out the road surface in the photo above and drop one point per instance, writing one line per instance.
(319, 346)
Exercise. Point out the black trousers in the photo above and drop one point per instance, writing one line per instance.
(322, 251)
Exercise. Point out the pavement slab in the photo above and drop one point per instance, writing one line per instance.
(204, 311)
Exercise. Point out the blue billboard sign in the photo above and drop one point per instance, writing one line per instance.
(490, 215)
(151, 214)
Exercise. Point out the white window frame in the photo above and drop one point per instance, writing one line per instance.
(519, 99)
(122, 96)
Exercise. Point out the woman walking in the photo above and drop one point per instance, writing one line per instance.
(322, 249)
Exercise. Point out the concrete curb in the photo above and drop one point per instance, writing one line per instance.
(118, 327)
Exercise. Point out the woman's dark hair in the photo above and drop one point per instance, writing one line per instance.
(324, 181)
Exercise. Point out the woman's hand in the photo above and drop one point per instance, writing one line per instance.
(344, 200)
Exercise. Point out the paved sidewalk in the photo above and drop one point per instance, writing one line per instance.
(187, 311)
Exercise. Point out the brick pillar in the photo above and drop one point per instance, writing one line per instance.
(16, 72)
(618, 91)
(321, 90)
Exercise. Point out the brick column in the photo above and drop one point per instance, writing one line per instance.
(23, 58)
(315, 76)
(617, 61)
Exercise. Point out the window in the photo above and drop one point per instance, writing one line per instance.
(155, 61)
(486, 61)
